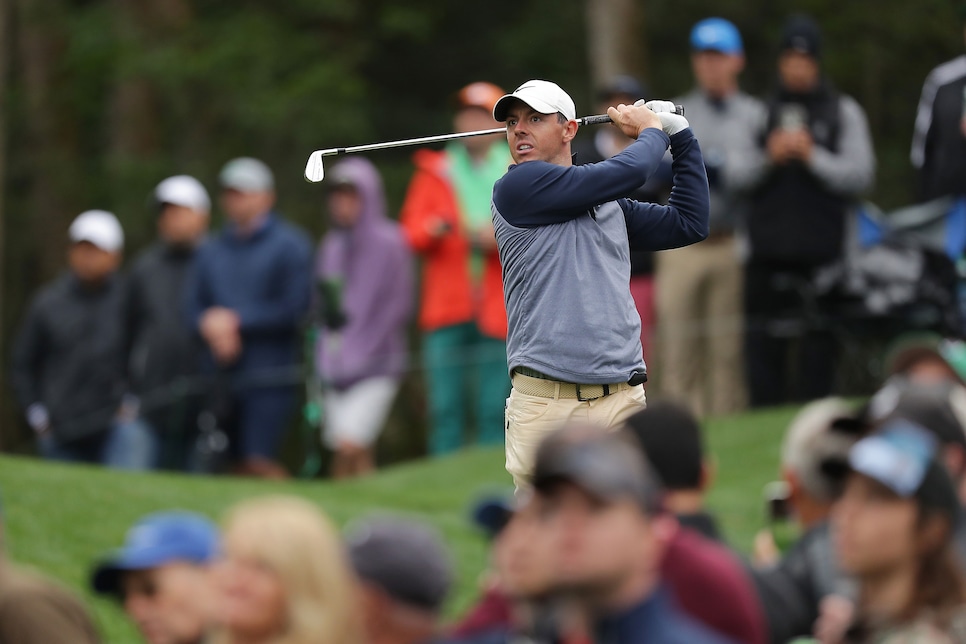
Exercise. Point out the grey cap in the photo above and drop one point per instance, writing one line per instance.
(246, 174)
(605, 465)
(406, 559)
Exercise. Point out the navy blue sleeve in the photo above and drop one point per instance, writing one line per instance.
(684, 220)
(537, 193)
(292, 293)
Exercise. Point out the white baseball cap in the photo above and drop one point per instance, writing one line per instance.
(98, 227)
(246, 174)
(543, 96)
(182, 190)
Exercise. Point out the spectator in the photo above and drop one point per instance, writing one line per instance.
(573, 342)
(893, 532)
(602, 143)
(164, 354)
(405, 574)
(162, 576)
(823, 430)
(284, 577)
(939, 139)
(364, 271)
(248, 293)
(699, 287)
(818, 159)
(599, 508)
(671, 438)
(926, 358)
(68, 359)
(34, 610)
(446, 218)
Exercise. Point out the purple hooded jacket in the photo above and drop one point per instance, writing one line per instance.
(373, 263)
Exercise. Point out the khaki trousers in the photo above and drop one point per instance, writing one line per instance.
(530, 418)
(700, 326)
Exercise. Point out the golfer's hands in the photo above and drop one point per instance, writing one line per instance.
(221, 329)
(633, 119)
(671, 123)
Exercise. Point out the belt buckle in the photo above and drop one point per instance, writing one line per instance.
(605, 391)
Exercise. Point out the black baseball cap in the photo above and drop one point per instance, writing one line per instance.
(608, 466)
(803, 35)
(932, 406)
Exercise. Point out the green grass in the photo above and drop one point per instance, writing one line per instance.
(60, 518)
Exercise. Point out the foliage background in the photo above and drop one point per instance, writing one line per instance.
(100, 99)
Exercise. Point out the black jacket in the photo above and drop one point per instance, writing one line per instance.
(939, 144)
(794, 216)
(162, 347)
(69, 356)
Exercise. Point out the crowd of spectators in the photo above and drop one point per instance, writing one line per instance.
(185, 361)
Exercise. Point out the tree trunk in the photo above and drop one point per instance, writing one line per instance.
(615, 40)
(4, 66)
(51, 153)
(136, 104)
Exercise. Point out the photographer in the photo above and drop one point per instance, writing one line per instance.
(819, 158)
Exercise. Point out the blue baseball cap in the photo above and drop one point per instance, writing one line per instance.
(716, 34)
(902, 456)
(155, 540)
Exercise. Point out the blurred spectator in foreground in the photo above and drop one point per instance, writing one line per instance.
(600, 514)
(162, 577)
(246, 297)
(925, 359)
(699, 286)
(163, 352)
(671, 438)
(598, 144)
(939, 139)
(405, 574)
(702, 577)
(446, 218)
(34, 610)
(819, 158)
(284, 577)
(365, 282)
(822, 430)
(893, 532)
(68, 359)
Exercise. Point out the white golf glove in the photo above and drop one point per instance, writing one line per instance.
(671, 123)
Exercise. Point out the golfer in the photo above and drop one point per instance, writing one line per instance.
(564, 234)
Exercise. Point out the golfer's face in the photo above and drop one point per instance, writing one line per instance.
(534, 136)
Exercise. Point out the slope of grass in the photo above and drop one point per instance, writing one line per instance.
(61, 518)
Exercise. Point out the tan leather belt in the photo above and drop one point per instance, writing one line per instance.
(556, 389)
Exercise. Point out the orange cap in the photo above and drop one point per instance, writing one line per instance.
(480, 94)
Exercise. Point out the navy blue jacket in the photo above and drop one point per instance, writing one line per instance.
(656, 619)
(266, 279)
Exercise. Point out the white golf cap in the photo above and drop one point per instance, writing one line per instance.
(543, 96)
(98, 227)
(182, 190)
(246, 174)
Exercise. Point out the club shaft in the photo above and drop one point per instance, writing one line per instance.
(314, 171)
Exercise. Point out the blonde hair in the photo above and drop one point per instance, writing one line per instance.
(295, 540)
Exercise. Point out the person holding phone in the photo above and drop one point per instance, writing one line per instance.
(818, 160)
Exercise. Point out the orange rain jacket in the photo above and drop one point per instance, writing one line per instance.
(448, 296)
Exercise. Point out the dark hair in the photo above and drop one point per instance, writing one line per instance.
(940, 586)
(670, 436)
(561, 118)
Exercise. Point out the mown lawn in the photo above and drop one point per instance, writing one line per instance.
(59, 518)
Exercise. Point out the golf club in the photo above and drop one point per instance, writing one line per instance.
(314, 172)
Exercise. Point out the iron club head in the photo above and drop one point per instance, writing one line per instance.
(314, 172)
